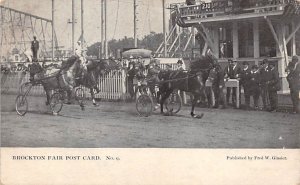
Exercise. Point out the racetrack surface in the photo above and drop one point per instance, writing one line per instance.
(118, 125)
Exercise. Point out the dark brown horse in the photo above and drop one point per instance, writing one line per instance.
(63, 79)
(192, 81)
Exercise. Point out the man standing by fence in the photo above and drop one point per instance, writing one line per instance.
(231, 72)
(34, 48)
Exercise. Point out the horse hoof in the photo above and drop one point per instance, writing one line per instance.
(95, 104)
(198, 116)
(168, 114)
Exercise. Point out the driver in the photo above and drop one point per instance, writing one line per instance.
(80, 54)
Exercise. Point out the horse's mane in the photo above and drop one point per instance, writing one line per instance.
(202, 63)
(67, 64)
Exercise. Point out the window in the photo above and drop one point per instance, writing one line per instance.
(225, 41)
(245, 35)
(267, 43)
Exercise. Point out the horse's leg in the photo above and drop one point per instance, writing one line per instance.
(194, 102)
(69, 95)
(164, 97)
(93, 96)
(47, 96)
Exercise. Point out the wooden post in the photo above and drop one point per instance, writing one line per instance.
(73, 26)
(235, 40)
(256, 41)
(134, 24)
(164, 29)
(216, 41)
(52, 40)
(293, 40)
(82, 25)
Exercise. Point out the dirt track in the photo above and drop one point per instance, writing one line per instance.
(116, 124)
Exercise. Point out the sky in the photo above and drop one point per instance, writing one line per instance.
(119, 15)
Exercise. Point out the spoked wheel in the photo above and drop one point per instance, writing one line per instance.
(80, 95)
(25, 87)
(144, 105)
(56, 103)
(174, 102)
(4, 86)
(21, 105)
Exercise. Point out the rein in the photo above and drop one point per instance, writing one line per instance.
(176, 79)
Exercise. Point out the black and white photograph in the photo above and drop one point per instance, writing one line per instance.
(151, 74)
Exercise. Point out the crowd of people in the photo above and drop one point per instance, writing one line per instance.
(257, 81)
(262, 81)
(138, 72)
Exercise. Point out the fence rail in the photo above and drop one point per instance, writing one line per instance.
(112, 85)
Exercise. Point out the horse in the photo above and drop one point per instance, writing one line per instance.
(95, 70)
(192, 81)
(216, 77)
(63, 79)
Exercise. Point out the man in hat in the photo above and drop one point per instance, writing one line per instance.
(293, 78)
(264, 76)
(254, 85)
(180, 65)
(231, 72)
(245, 77)
(34, 48)
(130, 77)
(152, 76)
(273, 86)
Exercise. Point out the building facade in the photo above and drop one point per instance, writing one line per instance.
(247, 30)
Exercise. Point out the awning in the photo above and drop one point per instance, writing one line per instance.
(135, 53)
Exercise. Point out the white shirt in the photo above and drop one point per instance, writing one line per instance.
(78, 50)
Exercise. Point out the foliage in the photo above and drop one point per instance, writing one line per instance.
(150, 41)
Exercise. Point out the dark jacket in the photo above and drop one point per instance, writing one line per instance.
(254, 82)
(264, 77)
(294, 75)
(35, 45)
(245, 77)
(231, 72)
(273, 82)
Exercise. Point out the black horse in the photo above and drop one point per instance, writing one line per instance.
(192, 81)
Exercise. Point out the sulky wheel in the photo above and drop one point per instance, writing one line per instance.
(80, 95)
(144, 105)
(174, 103)
(21, 105)
(25, 87)
(56, 103)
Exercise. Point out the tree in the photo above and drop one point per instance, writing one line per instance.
(150, 41)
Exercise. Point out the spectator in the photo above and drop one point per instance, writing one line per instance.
(231, 72)
(130, 76)
(245, 77)
(254, 85)
(273, 87)
(180, 65)
(34, 48)
(293, 78)
(263, 83)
